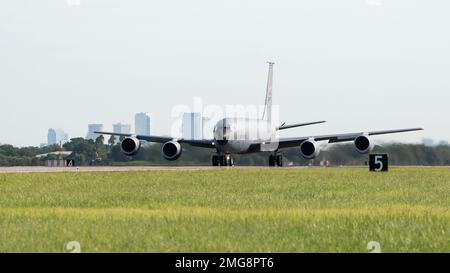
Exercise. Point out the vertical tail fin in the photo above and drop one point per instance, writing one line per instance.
(267, 115)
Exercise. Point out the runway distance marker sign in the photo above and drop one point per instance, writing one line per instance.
(378, 162)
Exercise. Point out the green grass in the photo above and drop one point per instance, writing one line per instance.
(229, 210)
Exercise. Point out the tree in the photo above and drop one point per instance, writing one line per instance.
(83, 147)
(112, 140)
(88, 151)
(99, 141)
(101, 149)
(116, 155)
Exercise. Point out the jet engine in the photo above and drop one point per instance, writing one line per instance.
(309, 149)
(171, 150)
(130, 146)
(364, 144)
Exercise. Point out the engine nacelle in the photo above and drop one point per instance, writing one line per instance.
(171, 150)
(130, 146)
(309, 149)
(364, 144)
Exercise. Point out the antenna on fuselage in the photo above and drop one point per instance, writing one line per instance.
(267, 115)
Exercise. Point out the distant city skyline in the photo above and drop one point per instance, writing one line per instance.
(357, 65)
(57, 137)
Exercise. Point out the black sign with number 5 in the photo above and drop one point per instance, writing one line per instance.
(378, 163)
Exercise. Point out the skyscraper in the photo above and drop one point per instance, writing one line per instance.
(121, 128)
(192, 126)
(51, 136)
(93, 128)
(142, 124)
(207, 128)
(57, 136)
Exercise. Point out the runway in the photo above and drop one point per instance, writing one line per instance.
(101, 169)
(4, 170)
(40, 169)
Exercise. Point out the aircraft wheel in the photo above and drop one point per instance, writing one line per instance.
(231, 161)
(222, 161)
(215, 160)
(272, 161)
(279, 160)
(228, 160)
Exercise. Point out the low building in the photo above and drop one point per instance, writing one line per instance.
(57, 159)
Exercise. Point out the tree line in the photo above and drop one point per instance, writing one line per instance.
(96, 152)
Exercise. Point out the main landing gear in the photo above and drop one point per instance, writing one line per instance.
(276, 160)
(223, 160)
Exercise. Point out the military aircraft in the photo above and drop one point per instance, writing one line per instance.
(245, 135)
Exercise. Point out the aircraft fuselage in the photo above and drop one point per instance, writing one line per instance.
(242, 135)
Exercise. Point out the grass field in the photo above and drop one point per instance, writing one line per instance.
(229, 210)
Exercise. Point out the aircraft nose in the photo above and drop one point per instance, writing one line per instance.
(222, 133)
(222, 142)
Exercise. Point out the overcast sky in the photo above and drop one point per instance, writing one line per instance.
(359, 64)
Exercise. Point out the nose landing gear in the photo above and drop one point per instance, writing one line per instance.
(276, 160)
(223, 160)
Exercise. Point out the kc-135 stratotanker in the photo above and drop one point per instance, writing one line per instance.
(245, 135)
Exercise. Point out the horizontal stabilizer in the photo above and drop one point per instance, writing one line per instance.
(283, 127)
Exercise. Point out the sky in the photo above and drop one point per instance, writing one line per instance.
(358, 64)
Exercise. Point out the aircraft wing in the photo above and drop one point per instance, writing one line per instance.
(293, 142)
(204, 143)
